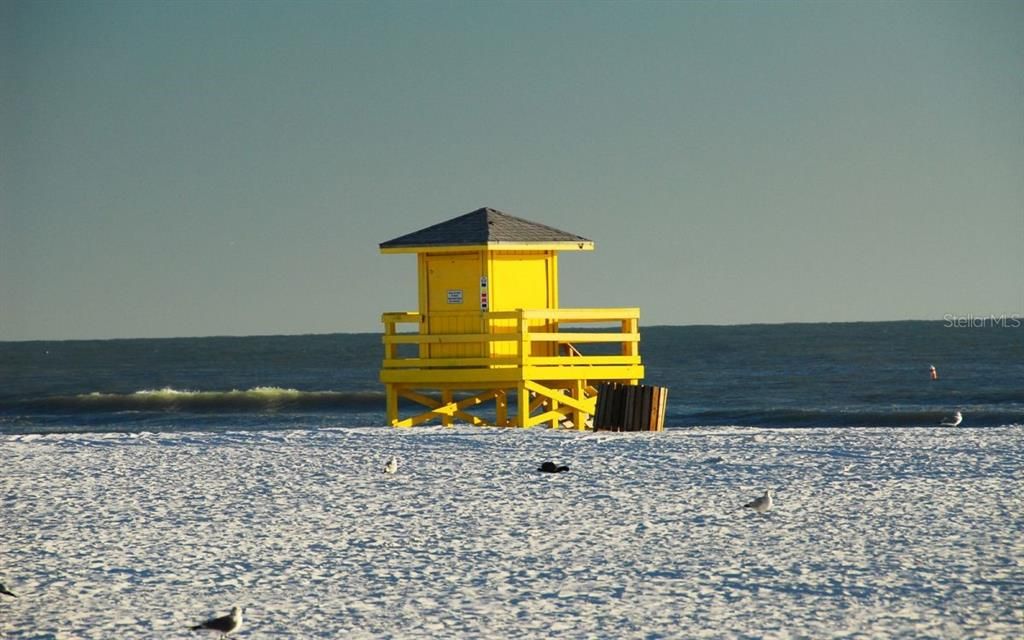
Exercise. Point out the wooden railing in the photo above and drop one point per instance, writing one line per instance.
(511, 339)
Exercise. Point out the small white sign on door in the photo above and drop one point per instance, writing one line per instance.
(455, 296)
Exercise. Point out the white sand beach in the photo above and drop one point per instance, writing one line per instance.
(911, 533)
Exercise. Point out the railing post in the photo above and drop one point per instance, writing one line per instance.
(523, 328)
(630, 326)
(389, 347)
(424, 329)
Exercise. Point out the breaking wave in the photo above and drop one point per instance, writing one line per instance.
(257, 399)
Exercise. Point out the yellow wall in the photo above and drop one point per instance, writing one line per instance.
(521, 280)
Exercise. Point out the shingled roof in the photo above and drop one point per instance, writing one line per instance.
(487, 226)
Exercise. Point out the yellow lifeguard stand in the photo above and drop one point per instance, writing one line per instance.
(489, 323)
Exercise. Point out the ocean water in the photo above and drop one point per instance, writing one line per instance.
(872, 374)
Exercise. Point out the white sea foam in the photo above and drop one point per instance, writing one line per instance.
(116, 536)
(254, 399)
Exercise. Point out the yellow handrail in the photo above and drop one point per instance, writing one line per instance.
(531, 325)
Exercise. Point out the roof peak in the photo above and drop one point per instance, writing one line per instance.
(487, 226)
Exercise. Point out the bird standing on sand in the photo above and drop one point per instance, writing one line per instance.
(762, 504)
(953, 421)
(7, 592)
(224, 624)
(391, 466)
(551, 467)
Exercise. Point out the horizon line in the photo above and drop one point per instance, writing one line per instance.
(945, 319)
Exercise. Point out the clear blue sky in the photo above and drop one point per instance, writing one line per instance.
(180, 168)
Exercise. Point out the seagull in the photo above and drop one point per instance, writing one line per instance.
(224, 624)
(7, 592)
(762, 504)
(551, 467)
(954, 421)
(391, 466)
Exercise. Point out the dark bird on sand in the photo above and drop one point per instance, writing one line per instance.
(551, 467)
(224, 624)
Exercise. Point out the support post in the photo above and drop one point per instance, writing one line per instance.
(523, 405)
(555, 420)
(392, 404)
(579, 418)
(446, 398)
(501, 408)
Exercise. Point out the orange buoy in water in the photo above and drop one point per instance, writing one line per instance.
(935, 374)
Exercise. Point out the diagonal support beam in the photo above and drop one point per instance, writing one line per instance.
(549, 416)
(586, 405)
(440, 409)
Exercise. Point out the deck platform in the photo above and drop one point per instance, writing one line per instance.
(535, 356)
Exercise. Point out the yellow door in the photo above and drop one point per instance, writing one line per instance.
(453, 301)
